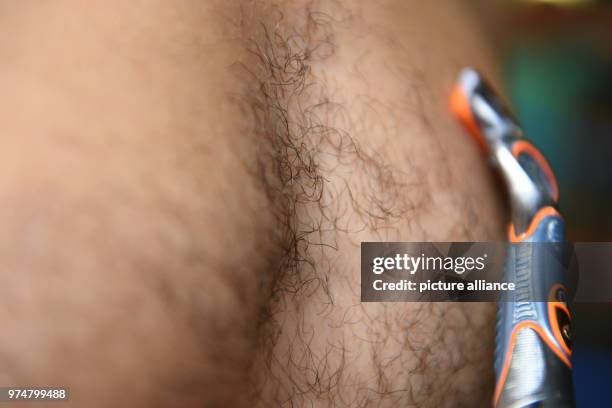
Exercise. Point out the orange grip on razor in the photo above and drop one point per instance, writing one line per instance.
(460, 106)
(525, 325)
(537, 219)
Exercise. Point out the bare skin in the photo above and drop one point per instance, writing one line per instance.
(184, 187)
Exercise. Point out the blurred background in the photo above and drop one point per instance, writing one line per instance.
(557, 66)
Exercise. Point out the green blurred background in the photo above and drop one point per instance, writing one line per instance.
(557, 66)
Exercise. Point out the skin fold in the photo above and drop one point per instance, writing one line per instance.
(184, 187)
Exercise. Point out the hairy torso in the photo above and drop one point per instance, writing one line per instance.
(372, 154)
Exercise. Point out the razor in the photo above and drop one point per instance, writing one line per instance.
(533, 339)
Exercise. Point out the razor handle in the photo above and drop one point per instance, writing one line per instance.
(533, 338)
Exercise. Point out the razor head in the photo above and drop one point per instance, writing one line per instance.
(529, 179)
(482, 111)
